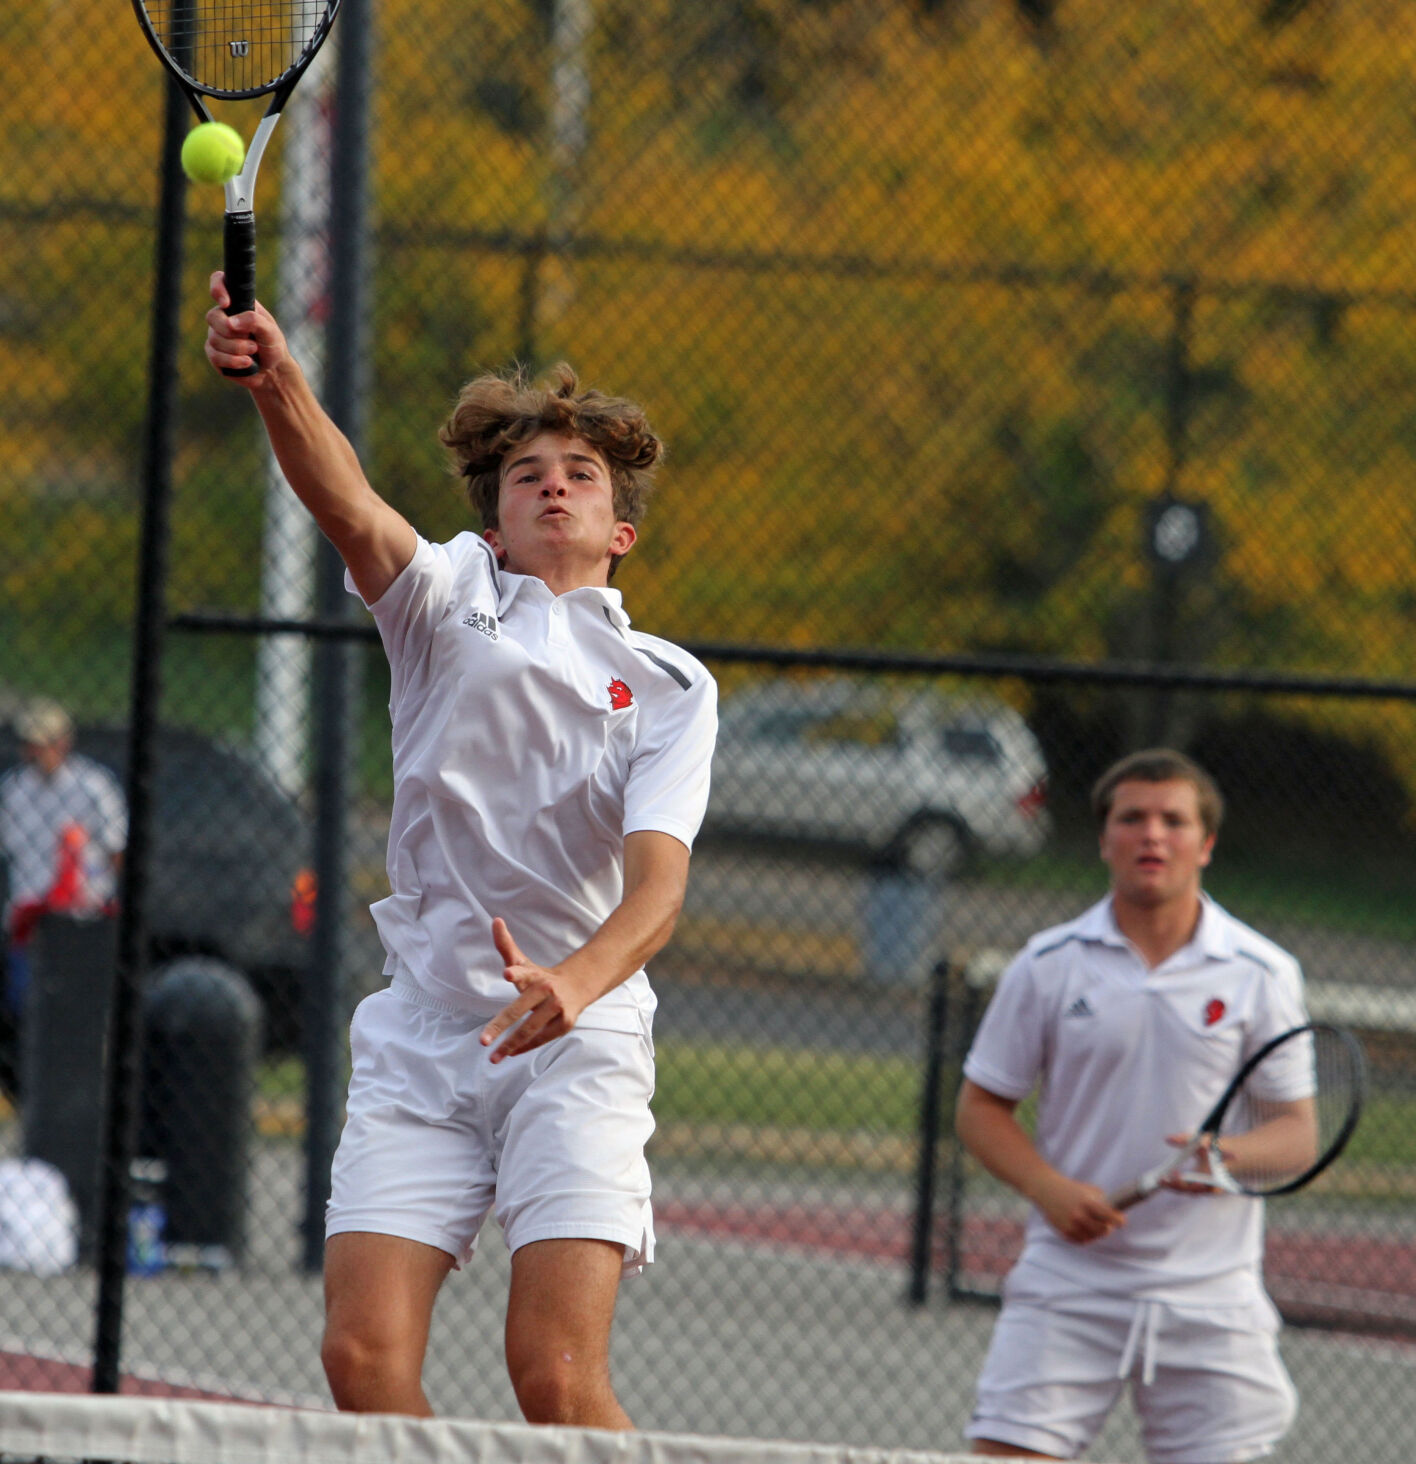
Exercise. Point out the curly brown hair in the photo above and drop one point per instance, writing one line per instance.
(501, 411)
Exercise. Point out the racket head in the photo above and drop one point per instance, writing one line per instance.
(236, 48)
(1319, 1067)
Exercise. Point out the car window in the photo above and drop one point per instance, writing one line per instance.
(971, 744)
(825, 727)
(868, 727)
(781, 728)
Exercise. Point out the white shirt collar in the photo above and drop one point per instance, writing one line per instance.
(513, 585)
(1213, 938)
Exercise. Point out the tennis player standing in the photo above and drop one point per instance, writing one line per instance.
(1129, 1022)
(550, 773)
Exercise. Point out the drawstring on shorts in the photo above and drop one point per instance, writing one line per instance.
(1145, 1323)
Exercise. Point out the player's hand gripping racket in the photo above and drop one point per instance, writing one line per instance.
(1287, 1114)
(238, 49)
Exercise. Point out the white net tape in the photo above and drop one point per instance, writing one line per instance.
(52, 1426)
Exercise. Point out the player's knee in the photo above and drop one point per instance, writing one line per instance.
(346, 1363)
(557, 1388)
(360, 1372)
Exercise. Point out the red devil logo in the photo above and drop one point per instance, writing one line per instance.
(1214, 1010)
(620, 695)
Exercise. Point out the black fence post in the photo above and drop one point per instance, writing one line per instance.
(335, 673)
(124, 1067)
(936, 1031)
(954, 1244)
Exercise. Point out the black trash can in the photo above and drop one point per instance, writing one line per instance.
(64, 1044)
(203, 1039)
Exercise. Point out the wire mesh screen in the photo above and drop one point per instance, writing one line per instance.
(1033, 332)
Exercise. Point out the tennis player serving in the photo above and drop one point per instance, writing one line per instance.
(550, 773)
(1131, 1022)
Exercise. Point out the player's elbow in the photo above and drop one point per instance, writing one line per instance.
(966, 1115)
(977, 1117)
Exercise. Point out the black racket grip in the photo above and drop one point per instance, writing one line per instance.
(1132, 1194)
(240, 265)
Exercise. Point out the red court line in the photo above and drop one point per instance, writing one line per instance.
(863, 1232)
(26, 1372)
(1348, 1280)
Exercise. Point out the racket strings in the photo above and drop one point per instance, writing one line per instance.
(237, 47)
(1292, 1111)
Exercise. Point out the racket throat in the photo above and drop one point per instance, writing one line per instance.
(241, 190)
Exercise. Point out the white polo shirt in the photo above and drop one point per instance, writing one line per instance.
(531, 734)
(35, 809)
(1123, 1056)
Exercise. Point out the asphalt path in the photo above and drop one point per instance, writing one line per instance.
(766, 899)
(790, 953)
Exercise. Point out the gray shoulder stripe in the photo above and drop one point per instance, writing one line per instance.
(673, 671)
(680, 676)
(1257, 959)
(1060, 941)
(492, 558)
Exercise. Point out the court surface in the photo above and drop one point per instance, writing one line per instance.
(748, 1359)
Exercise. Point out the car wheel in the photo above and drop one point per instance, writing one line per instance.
(934, 850)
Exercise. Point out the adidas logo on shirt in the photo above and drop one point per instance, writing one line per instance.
(487, 624)
(1081, 1008)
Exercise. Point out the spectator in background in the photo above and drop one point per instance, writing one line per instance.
(63, 826)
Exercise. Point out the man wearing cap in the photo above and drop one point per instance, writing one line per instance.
(63, 825)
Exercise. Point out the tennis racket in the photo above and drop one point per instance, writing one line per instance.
(237, 50)
(1285, 1116)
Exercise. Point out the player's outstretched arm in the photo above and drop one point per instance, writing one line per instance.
(988, 1128)
(374, 540)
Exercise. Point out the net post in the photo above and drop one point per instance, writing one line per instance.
(936, 1027)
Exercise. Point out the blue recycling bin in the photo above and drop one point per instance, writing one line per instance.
(903, 922)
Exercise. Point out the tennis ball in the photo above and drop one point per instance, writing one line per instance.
(212, 153)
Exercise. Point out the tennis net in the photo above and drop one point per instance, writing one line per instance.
(51, 1428)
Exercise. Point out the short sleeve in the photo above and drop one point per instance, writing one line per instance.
(667, 788)
(1280, 1007)
(414, 605)
(112, 822)
(7, 817)
(1006, 1057)
(1279, 1004)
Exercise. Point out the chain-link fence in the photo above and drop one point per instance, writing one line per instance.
(1014, 347)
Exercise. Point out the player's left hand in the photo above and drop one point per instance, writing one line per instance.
(1193, 1181)
(550, 1001)
(234, 342)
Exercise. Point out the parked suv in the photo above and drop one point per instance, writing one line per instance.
(905, 777)
(230, 857)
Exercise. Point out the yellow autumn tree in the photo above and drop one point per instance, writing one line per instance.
(931, 305)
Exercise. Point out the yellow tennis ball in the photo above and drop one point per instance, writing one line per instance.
(212, 152)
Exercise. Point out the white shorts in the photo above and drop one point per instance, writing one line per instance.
(1207, 1382)
(436, 1134)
